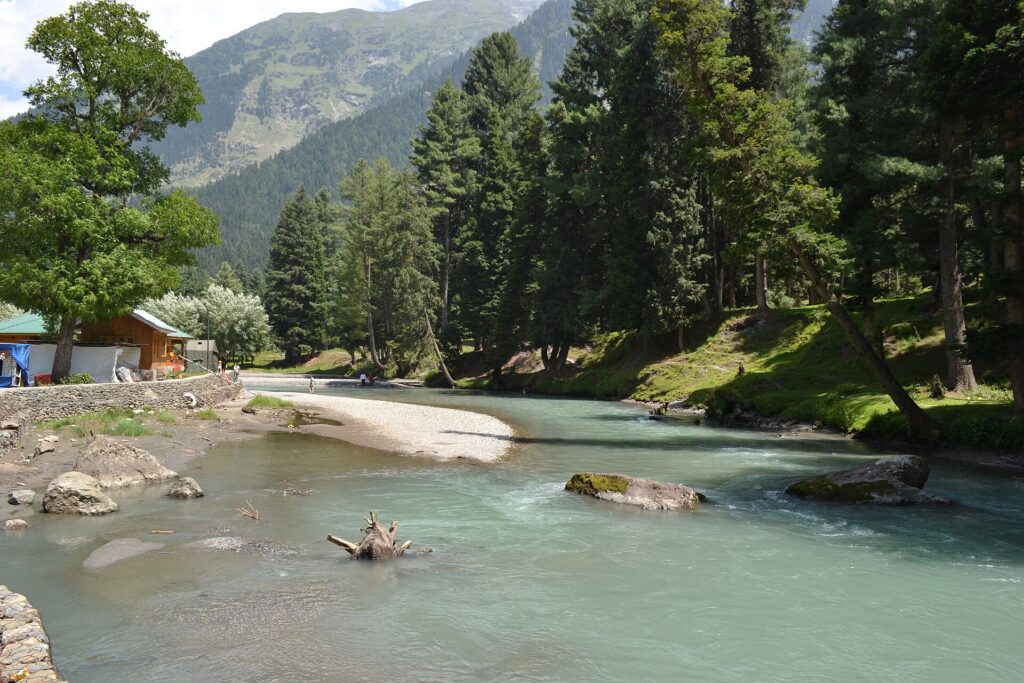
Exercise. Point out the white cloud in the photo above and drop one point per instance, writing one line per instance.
(188, 26)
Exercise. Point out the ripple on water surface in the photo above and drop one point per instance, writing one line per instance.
(528, 582)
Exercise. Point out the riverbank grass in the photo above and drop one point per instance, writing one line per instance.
(111, 422)
(269, 403)
(794, 364)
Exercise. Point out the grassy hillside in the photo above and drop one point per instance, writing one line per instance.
(275, 83)
(796, 364)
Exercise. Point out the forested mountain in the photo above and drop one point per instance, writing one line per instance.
(273, 84)
(807, 23)
(248, 202)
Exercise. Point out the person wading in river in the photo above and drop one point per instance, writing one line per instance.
(312, 385)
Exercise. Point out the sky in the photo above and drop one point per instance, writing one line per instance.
(188, 26)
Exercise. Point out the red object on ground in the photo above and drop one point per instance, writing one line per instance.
(43, 379)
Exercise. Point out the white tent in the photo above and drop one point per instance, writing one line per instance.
(99, 361)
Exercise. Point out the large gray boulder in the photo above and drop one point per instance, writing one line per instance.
(75, 493)
(116, 464)
(645, 493)
(890, 481)
(186, 488)
(21, 497)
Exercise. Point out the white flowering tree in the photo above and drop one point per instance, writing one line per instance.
(237, 321)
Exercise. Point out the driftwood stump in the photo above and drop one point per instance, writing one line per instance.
(377, 543)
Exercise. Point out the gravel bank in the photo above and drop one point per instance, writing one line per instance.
(439, 433)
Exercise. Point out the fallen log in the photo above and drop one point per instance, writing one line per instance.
(378, 543)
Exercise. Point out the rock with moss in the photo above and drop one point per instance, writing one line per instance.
(890, 481)
(645, 493)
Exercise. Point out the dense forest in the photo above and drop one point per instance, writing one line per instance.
(687, 164)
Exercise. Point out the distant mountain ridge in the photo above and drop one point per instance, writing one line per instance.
(249, 201)
(273, 84)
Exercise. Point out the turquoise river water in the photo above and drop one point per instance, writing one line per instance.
(528, 582)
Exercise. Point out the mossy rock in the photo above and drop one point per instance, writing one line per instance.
(590, 484)
(823, 488)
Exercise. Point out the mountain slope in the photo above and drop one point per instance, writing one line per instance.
(248, 202)
(273, 84)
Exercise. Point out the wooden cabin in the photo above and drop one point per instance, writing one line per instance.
(22, 328)
(155, 338)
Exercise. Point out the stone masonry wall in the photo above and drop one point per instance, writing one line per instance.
(37, 404)
(24, 645)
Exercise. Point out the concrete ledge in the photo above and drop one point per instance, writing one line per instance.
(37, 404)
(24, 645)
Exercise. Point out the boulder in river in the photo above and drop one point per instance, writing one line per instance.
(186, 488)
(890, 481)
(75, 493)
(116, 464)
(645, 493)
(21, 497)
(15, 525)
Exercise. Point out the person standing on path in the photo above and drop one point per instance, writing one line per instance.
(312, 385)
(234, 373)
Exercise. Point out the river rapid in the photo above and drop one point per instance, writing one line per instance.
(528, 582)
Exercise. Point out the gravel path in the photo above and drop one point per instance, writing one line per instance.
(440, 433)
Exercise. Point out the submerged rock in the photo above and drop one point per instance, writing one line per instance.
(116, 464)
(240, 545)
(890, 481)
(645, 493)
(75, 493)
(117, 550)
(186, 488)
(15, 525)
(21, 497)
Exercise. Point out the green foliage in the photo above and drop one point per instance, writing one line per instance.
(78, 378)
(295, 279)
(236, 321)
(206, 414)
(269, 402)
(74, 246)
(391, 256)
(112, 421)
(593, 484)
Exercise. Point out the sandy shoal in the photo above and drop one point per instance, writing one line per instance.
(408, 429)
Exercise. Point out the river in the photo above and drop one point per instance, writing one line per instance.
(528, 582)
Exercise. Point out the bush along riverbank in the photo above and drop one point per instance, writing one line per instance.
(795, 365)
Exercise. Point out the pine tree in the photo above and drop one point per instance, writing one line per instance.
(502, 91)
(445, 154)
(227, 278)
(751, 149)
(293, 283)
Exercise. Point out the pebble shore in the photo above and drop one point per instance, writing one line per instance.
(409, 429)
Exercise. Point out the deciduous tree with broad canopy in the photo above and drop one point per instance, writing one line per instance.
(87, 232)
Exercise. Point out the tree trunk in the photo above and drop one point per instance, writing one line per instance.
(1013, 258)
(545, 361)
(563, 354)
(959, 373)
(921, 425)
(446, 270)
(761, 285)
(871, 331)
(377, 543)
(371, 338)
(437, 350)
(65, 348)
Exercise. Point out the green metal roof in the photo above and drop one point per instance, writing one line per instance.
(26, 323)
(30, 323)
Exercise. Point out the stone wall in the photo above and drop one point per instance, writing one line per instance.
(37, 404)
(24, 645)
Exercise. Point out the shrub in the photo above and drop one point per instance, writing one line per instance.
(271, 402)
(206, 414)
(78, 378)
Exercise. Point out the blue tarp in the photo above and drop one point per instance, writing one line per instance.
(20, 354)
